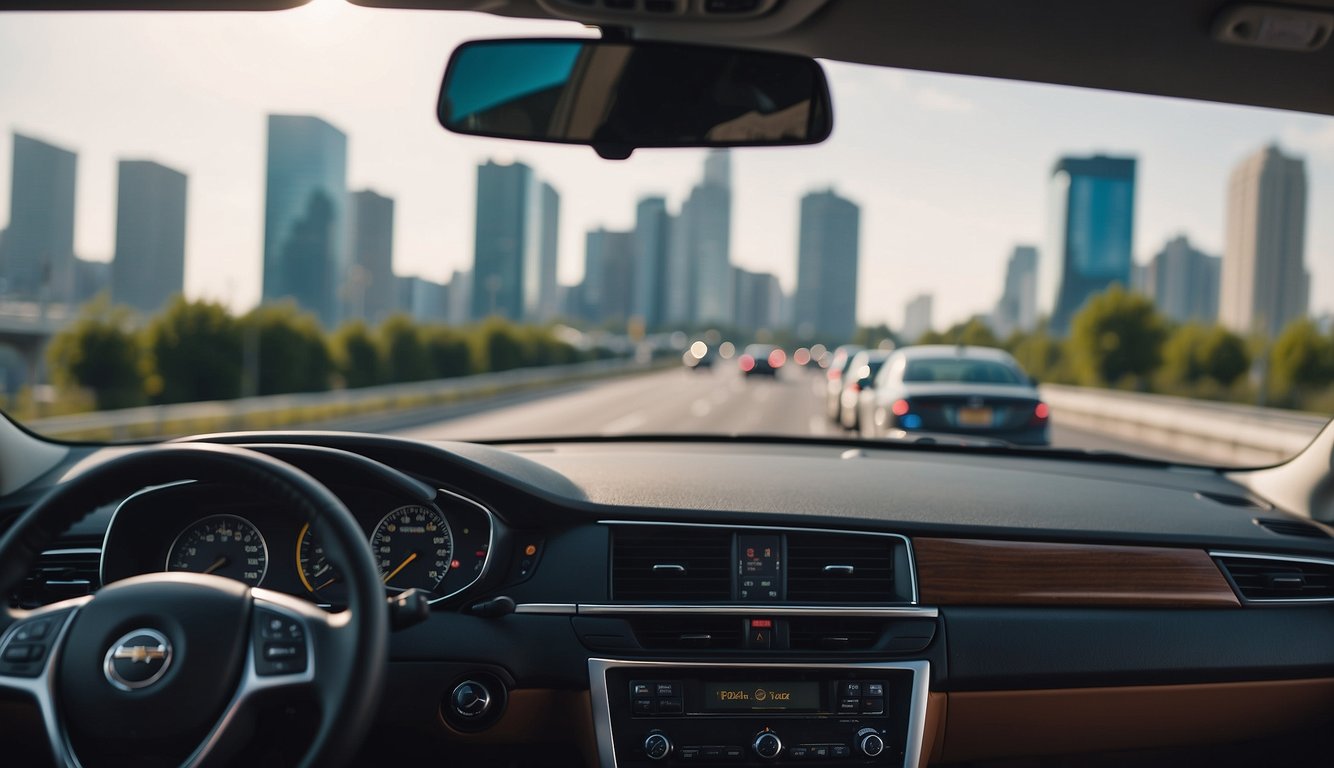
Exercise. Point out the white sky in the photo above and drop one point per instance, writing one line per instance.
(950, 172)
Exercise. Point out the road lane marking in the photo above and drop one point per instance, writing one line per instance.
(626, 423)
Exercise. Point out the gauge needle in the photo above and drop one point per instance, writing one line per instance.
(400, 567)
(332, 580)
(221, 561)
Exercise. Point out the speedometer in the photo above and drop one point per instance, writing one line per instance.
(412, 547)
(225, 545)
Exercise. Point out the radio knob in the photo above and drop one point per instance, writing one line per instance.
(657, 745)
(870, 743)
(471, 699)
(767, 745)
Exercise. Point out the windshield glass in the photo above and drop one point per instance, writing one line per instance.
(252, 221)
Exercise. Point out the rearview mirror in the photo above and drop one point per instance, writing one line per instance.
(620, 96)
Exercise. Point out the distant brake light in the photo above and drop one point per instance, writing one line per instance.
(747, 363)
(1041, 411)
(777, 358)
(900, 408)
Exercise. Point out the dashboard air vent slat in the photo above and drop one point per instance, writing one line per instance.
(1291, 528)
(671, 564)
(58, 575)
(835, 634)
(842, 568)
(1265, 579)
(668, 633)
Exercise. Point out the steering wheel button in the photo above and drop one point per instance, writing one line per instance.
(21, 652)
(282, 651)
(33, 630)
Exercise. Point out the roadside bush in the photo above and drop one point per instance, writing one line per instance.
(195, 353)
(292, 353)
(101, 353)
(356, 355)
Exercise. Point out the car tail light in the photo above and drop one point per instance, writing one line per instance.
(777, 358)
(1041, 412)
(855, 387)
(900, 408)
(835, 373)
(747, 363)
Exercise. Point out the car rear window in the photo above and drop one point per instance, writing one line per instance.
(962, 370)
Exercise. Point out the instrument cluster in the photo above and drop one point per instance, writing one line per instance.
(441, 547)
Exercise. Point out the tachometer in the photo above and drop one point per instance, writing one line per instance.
(412, 547)
(316, 572)
(225, 545)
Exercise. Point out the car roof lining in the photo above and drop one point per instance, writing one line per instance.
(1156, 47)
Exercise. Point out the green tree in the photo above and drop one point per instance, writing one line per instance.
(1039, 354)
(100, 352)
(975, 332)
(293, 356)
(1225, 358)
(1301, 360)
(496, 346)
(356, 355)
(872, 336)
(402, 351)
(1117, 337)
(447, 352)
(195, 349)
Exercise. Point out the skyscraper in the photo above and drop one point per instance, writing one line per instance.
(1265, 284)
(917, 317)
(759, 300)
(827, 254)
(700, 269)
(149, 263)
(370, 286)
(609, 275)
(305, 215)
(1017, 309)
(38, 257)
(549, 255)
(1092, 227)
(652, 235)
(508, 245)
(1184, 282)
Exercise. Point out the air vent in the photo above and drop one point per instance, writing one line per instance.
(671, 633)
(826, 633)
(1279, 579)
(840, 568)
(671, 564)
(1231, 500)
(1291, 528)
(59, 574)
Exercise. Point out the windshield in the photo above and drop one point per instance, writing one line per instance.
(251, 221)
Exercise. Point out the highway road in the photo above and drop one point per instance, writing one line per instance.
(681, 401)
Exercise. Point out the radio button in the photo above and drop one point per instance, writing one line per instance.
(711, 753)
(875, 689)
(671, 706)
(821, 751)
(644, 706)
(851, 690)
(733, 753)
(666, 689)
(840, 750)
(873, 706)
(799, 753)
(849, 706)
(640, 690)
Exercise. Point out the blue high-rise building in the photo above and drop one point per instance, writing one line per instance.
(652, 235)
(827, 256)
(149, 263)
(306, 257)
(514, 246)
(1092, 230)
(37, 260)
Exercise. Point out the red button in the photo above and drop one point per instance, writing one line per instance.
(761, 623)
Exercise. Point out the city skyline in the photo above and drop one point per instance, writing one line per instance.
(941, 196)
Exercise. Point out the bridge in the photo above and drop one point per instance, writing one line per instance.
(26, 327)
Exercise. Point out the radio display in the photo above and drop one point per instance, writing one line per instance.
(761, 695)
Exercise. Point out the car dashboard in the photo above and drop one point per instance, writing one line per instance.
(707, 602)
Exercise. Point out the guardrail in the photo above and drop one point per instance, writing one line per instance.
(314, 408)
(1224, 433)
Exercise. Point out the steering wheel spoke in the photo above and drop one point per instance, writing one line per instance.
(29, 648)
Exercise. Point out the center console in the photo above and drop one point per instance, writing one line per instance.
(656, 713)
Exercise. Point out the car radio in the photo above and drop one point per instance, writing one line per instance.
(686, 713)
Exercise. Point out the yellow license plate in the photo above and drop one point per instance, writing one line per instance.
(974, 417)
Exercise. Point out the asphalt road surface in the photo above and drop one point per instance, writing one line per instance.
(681, 401)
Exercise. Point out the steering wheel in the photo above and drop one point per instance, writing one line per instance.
(166, 668)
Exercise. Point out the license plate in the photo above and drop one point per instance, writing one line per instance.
(974, 417)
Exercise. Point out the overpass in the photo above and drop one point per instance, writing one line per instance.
(26, 327)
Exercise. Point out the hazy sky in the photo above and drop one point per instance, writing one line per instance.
(950, 172)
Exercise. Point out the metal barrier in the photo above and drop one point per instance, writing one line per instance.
(1224, 433)
(313, 408)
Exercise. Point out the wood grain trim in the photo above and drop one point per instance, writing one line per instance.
(981, 572)
(999, 724)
